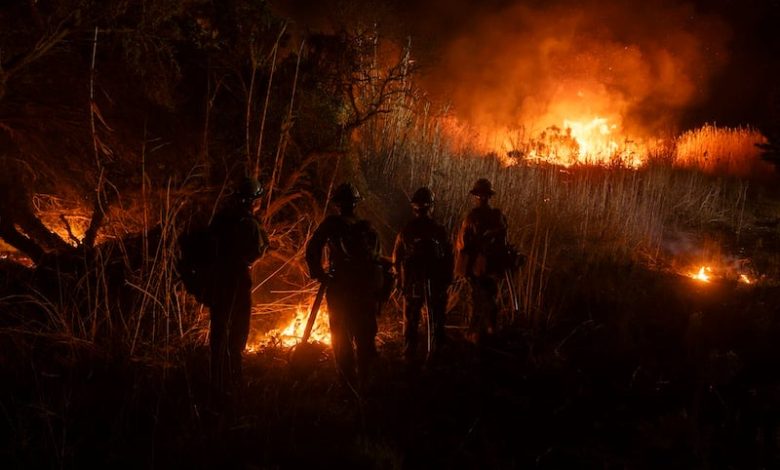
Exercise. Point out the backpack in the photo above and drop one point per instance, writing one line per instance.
(196, 260)
(425, 255)
(424, 264)
(361, 265)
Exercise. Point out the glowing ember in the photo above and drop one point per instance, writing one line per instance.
(743, 278)
(290, 334)
(704, 274)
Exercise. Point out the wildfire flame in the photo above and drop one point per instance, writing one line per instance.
(707, 273)
(593, 137)
(590, 141)
(291, 333)
(77, 223)
(704, 274)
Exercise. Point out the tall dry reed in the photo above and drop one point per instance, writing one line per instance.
(722, 150)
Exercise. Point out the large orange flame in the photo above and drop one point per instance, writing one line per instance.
(594, 140)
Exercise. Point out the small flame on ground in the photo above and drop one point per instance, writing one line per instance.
(704, 274)
(291, 334)
(70, 224)
(743, 278)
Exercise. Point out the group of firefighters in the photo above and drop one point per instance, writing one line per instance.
(356, 277)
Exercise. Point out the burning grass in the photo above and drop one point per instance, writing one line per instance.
(728, 151)
(588, 142)
(708, 273)
(290, 332)
(600, 142)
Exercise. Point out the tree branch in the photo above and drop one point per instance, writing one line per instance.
(13, 237)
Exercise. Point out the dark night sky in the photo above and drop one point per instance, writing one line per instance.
(743, 35)
(747, 89)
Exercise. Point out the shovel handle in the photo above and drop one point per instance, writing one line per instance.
(315, 307)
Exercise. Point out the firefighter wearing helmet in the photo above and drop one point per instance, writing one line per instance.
(481, 247)
(238, 240)
(355, 279)
(423, 258)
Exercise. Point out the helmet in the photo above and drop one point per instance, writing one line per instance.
(346, 193)
(482, 187)
(249, 188)
(423, 197)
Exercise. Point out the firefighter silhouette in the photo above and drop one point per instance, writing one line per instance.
(216, 268)
(481, 251)
(356, 282)
(423, 258)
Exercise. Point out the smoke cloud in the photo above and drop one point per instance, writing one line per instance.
(639, 64)
(655, 63)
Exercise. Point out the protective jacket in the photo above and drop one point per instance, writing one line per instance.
(353, 254)
(424, 260)
(482, 245)
(423, 252)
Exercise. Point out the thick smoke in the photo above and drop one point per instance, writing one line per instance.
(639, 64)
(535, 63)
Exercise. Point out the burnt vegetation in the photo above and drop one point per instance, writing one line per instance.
(122, 125)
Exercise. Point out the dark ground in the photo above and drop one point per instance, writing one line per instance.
(635, 369)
